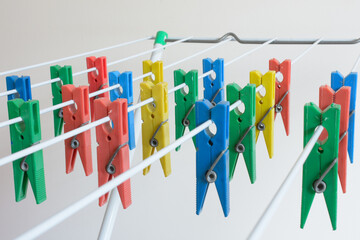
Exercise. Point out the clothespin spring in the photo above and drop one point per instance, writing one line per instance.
(101, 86)
(74, 142)
(278, 107)
(211, 176)
(110, 168)
(186, 121)
(153, 141)
(319, 185)
(351, 113)
(342, 136)
(239, 147)
(213, 98)
(23, 165)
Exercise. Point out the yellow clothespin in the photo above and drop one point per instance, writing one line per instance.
(265, 107)
(155, 115)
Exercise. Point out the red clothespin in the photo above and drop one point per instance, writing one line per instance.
(341, 97)
(282, 90)
(75, 117)
(113, 148)
(97, 79)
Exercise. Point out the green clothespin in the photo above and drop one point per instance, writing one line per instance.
(320, 168)
(185, 102)
(242, 131)
(65, 75)
(23, 135)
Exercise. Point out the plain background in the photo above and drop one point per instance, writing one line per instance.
(36, 31)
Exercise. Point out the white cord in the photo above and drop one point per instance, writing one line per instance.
(72, 57)
(306, 51)
(356, 64)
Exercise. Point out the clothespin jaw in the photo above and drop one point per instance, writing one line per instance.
(156, 69)
(337, 81)
(21, 84)
(242, 128)
(97, 79)
(24, 135)
(125, 80)
(212, 155)
(320, 168)
(185, 102)
(265, 107)
(65, 75)
(75, 117)
(214, 88)
(328, 96)
(282, 90)
(113, 148)
(155, 127)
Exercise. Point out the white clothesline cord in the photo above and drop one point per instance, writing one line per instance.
(94, 68)
(356, 64)
(72, 57)
(306, 51)
(275, 202)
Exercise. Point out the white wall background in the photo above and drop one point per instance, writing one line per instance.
(36, 31)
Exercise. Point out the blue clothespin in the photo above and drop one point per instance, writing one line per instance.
(214, 88)
(21, 84)
(212, 156)
(125, 80)
(337, 81)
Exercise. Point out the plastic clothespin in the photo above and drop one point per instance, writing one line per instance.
(265, 107)
(97, 79)
(337, 81)
(113, 148)
(320, 168)
(282, 90)
(24, 135)
(214, 88)
(212, 156)
(155, 115)
(21, 84)
(125, 80)
(242, 128)
(185, 102)
(75, 117)
(65, 75)
(328, 96)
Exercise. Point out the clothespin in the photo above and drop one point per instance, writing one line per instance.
(242, 128)
(212, 155)
(24, 135)
(125, 80)
(265, 107)
(328, 96)
(75, 117)
(337, 81)
(155, 115)
(65, 75)
(214, 88)
(21, 84)
(320, 168)
(97, 79)
(282, 90)
(185, 102)
(113, 148)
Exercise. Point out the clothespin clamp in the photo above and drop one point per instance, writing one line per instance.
(113, 148)
(265, 107)
(75, 117)
(185, 102)
(282, 90)
(212, 155)
(214, 88)
(242, 128)
(337, 81)
(97, 79)
(21, 84)
(328, 96)
(125, 90)
(24, 135)
(320, 168)
(155, 115)
(65, 75)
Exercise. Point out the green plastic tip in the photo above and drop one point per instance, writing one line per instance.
(160, 37)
